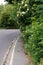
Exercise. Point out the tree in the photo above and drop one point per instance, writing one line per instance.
(9, 1)
(8, 17)
(13, 1)
(1, 10)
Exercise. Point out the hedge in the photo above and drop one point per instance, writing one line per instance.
(30, 18)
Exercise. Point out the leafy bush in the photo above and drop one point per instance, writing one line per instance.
(8, 17)
(1, 9)
(31, 24)
(8, 22)
(33, 37)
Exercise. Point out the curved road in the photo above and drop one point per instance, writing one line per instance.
(6, 37)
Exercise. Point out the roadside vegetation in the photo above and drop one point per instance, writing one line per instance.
(8, 16)
(28, 16)
(31, 25)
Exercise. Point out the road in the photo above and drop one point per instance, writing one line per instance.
(19, 57)
(6, 37)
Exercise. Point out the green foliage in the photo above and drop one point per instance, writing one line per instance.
(13, 1)
(41, 62)
(1, 9)
(30, 17)
(24, 18)
(33, 37)
(28, 14)
(8, 17)
(6, 21)
(9, 1)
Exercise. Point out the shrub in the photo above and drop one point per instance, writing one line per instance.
(8, 22)
(31, 24)
(8, 17)
(33, 36)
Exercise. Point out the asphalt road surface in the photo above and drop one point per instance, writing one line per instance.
(6, 37)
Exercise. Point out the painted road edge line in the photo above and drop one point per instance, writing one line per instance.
(7, 53)
(11, 60)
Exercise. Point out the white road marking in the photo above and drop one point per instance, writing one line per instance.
(11, 60)
(6, 54)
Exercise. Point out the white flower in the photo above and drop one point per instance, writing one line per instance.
(25, 4)
(22, 2)
(27, 9)
(23, 12)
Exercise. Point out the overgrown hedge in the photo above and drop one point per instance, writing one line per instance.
(30, 18)
(33, 37)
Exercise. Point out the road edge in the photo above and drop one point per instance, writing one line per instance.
(8, 51)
